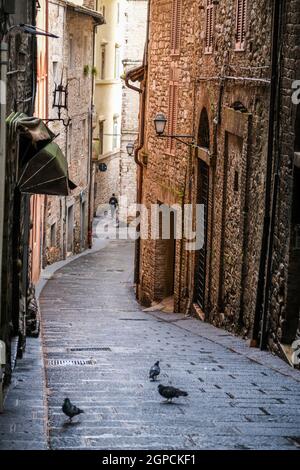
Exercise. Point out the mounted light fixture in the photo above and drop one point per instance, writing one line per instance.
(60, 97)
(130, 148)
(160, 122)
(60, 101)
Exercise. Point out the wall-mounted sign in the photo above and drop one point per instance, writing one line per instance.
(102, 167)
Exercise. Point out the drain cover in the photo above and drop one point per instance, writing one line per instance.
(134, 319)
(70, 362)
(89, 349)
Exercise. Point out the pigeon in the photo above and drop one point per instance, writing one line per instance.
(169, 392)
(154, 371)
(70, 410)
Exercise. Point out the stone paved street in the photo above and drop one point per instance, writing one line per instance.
(98, 346)
(91, 320)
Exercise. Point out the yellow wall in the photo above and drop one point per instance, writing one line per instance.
(108, 94)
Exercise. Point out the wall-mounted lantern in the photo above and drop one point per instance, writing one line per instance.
(130, 148)
(160, 122)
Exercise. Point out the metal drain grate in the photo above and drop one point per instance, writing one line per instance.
(134, 319)
(70, 362)
(89, 349)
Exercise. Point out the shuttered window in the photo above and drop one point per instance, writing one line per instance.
(176, 26)
(209, 26)
(241, 24)
(173, 107)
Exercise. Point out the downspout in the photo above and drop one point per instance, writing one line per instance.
(138, 149)
(3, 78)
(264, 276)
(90, 177)
(45, 198)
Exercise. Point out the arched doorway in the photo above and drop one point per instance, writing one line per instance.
(202, 198)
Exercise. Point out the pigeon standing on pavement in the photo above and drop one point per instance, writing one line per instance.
(169, 392)
(70, 410)
(154, 371)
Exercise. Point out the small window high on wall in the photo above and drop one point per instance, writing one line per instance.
(209, 26)
(241, 24)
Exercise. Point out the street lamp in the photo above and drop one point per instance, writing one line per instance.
(160, 122)
(130, 148)
(60, 97)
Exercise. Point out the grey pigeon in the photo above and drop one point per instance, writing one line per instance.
(154, 371)
(169, 392)
(70, 410)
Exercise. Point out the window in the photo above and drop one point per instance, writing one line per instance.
(172, 111)
(176, 27)
(53, 235)
(203, 134)
(115, 133)
(101, 136)
(117, 61)
(241, 23)
(103, 11)
(209, 26)
(71, 51)
(118, 13)
(102, 62)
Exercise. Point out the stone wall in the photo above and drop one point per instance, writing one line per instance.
(107, 182)
(233, 87)
(120, 176)
(284, 306)
(134, 43)
(74, 139)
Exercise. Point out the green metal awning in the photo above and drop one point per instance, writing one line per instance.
(46, 170)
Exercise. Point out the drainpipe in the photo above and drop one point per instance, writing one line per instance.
(264, 276)
(138, 149)
(90, 173)
(3, 81)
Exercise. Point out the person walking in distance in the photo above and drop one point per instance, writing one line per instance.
(113, 203)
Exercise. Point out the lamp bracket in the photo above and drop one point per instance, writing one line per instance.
(179, 139)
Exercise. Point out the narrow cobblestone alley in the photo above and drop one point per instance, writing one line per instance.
(99, 346)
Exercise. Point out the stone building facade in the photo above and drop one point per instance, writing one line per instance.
(134, 43)
(120, 46)
(283, 308)
(71, 62)
(208, 70)
(20, 77)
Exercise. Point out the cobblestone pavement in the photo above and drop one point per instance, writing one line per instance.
(99, 345)
(23, 423)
